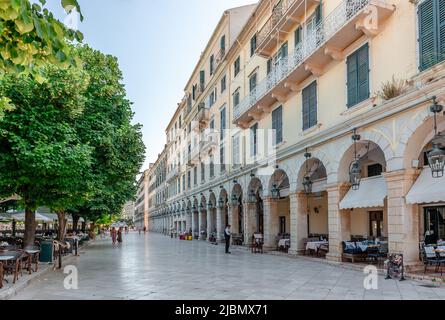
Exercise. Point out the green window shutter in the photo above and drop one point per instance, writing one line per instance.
(284, 50)
(269, 65)
(310, 106)
(352, 80)
(297, 36)
(427, 34)
(441, 20)
(277, 124)
(252, 82)
(319, 13)
(363, 73)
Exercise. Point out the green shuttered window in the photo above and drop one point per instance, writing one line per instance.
(431, 15)
(277, 125)
(358, 76)
(310, 106)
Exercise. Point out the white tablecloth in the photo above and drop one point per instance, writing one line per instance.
(315, 245)
(283, 242)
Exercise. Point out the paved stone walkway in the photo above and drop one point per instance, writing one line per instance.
(157, 267)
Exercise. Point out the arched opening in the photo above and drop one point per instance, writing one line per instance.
(195, 217)
(312, 207)
(256, 223)
(425, 198)
(277, 226)
(211, 215)
(363, 198)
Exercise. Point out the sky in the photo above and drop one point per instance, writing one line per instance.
(158, 43)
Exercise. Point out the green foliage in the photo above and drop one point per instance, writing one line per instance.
(43, 160)
(106, 126)
(30, 36)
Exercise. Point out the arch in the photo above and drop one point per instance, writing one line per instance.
(212, 199)
(256, 185)
(237, 190)
(223, 194)
(419, 139)
(313, 167)
(368, 152)
(280, 179)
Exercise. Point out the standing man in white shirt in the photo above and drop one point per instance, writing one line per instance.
(227, 234)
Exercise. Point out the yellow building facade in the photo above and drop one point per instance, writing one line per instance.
(315, 119)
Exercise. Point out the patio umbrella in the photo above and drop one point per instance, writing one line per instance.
(39, 217)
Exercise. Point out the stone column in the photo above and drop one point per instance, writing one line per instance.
(200, 223)
(403, 219)
(298, 222)
(188, 221)
(234, 219)
(339, 221)
(219, 224)
(192, 222)
(209, 222)
(249, 222)
(270, 222)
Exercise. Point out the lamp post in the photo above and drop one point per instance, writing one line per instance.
(436, 156)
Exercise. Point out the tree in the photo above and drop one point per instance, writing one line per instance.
(106, 125)
(43, 160)
(30, 37)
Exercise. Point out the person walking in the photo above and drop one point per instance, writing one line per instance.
(139, 229)
(119, 235)
(227, 234)
(113, 235)
(145, 229)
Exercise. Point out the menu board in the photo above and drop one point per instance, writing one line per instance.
(395, 267)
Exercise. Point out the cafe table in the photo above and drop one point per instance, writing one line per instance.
(34, 253)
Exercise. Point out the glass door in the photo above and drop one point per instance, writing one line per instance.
(434, 224)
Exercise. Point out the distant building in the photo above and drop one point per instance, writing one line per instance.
(128, 211)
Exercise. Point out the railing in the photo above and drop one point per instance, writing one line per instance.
(323, 32)
(173, 173)
(278, 12)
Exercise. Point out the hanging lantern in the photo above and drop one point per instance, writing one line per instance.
(252, 196)
(307, 184)
(275, 192)
(194, 207)
(436, 160)
(220, 203)
(201, 207)
(209, 206)
(436, 156)
(355, 172)
(234, 200)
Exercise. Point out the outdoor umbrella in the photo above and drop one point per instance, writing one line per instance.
(39, 217)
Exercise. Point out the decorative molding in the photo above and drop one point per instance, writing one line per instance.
(315, 70)
(334, 53)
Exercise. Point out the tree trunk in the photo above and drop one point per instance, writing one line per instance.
(91, 232)
(76, 218)
(83, 226)
(30, 227)
(61, 229)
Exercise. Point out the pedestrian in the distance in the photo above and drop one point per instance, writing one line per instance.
(227, 234)
(113, 235)
(119, 235)
(145, 229)
(139, 229)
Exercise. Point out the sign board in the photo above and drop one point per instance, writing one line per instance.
(395, 268)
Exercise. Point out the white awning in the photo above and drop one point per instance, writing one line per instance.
(372, 193)
(427, 189)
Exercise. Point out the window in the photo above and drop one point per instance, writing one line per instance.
(180, 121)
(237, 66)
(252, 82)
(375, 223)
(236, 98)
(431, 15)
(253, 45)
(212, 167)
(222, 159)
(310, 106)
(358, 76)
(375, 170)
(282, 53)
(189, 129)
(223, 84)
(434, 222)
(194, 92)
(253, 140)
(183, 183)
(223, 123)
(297, 36)
(223, 43)
(212, 124)
(282, 225)
(235, 150)
(212, 64)
(203, 172)
(189, 179)
(269, 66)
(195, 175)
(277, 125)
(202, 79)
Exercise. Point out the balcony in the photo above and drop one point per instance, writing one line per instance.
(199, 90)
(173, 173)
(203, 116)
(347, 23)
(219, 57)
(283, 18)
(193, 158)
(207, 146)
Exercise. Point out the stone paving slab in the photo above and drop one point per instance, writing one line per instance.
(155, 267)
